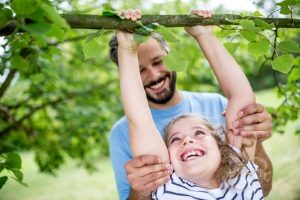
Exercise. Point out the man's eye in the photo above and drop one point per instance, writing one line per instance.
(199, 133)
(174, 139)
(158, 62)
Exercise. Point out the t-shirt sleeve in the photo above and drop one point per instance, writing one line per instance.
(224, 101)
(119, 156)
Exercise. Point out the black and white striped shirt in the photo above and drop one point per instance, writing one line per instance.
(244, 186)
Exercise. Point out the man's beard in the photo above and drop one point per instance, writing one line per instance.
(167, 94)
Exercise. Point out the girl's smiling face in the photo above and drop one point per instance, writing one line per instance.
(193, 151)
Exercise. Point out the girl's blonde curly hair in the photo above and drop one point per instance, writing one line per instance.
(231, 164)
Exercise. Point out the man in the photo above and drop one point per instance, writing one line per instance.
(145, 173)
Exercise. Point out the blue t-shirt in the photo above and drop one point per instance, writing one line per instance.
(208, 105)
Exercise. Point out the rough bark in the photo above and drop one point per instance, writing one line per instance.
(81, 21)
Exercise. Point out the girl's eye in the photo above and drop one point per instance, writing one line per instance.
(198, 132)
(174, 139)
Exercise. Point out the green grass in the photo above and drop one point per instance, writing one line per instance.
(75, 183)
(285, 155)
(71, 182)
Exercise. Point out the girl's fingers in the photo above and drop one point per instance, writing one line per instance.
(138, 13)
(132, 14)
(202, 13)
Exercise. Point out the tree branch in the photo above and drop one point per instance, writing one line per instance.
(7, 81)
(18, 123)
(82, 21)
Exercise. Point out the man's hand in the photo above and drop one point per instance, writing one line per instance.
(197, 31)
(255, 121)
(146, 173)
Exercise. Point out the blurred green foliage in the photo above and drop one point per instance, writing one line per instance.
(59, 92)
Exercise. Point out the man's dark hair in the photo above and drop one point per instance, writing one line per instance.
(113, 46)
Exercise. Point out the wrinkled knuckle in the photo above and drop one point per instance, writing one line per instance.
(154, 175)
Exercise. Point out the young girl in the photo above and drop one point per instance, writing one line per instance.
(204, 166)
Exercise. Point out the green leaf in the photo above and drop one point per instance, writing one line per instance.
(20, 182)
(18, 174)
(249, 25)
(295, 75)
(139, 22)
(258, 48)
(283, 63)
(13, 160)
(39, 29)
(92, 36)
(285, 10)
(257, 14)
(91, 49)
(250, 36)
(57, 32)
(153, 26)
(288, 3)
(264, 25)
(175, 61)
(168, 35)
(138, 38)
(231, 47)
(3, 180)
(17, 62)
(23, 7)
(109, 13)
(144, 30)
(2, 166)
(288, 47)
(53, 16)
(5, 16)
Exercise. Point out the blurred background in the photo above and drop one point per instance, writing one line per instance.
(59, 94)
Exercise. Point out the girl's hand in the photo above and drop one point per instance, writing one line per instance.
(196, 31)
(125, 39)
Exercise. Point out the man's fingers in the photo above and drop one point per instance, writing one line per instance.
(150, 169)
(134, 178)
(266, 125)
(156, 175)
(260, 135)
(250, 109)
(142, 161)
(251, 119)
(151, 186)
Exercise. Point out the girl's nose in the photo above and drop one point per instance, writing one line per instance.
(187, 140)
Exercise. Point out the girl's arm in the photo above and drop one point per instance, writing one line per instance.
(144, 136)
(231, 78)
(234, 84)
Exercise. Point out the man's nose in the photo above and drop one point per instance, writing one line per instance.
(153, 72)
(187, 140)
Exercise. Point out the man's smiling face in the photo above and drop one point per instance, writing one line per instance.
(159, 83)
